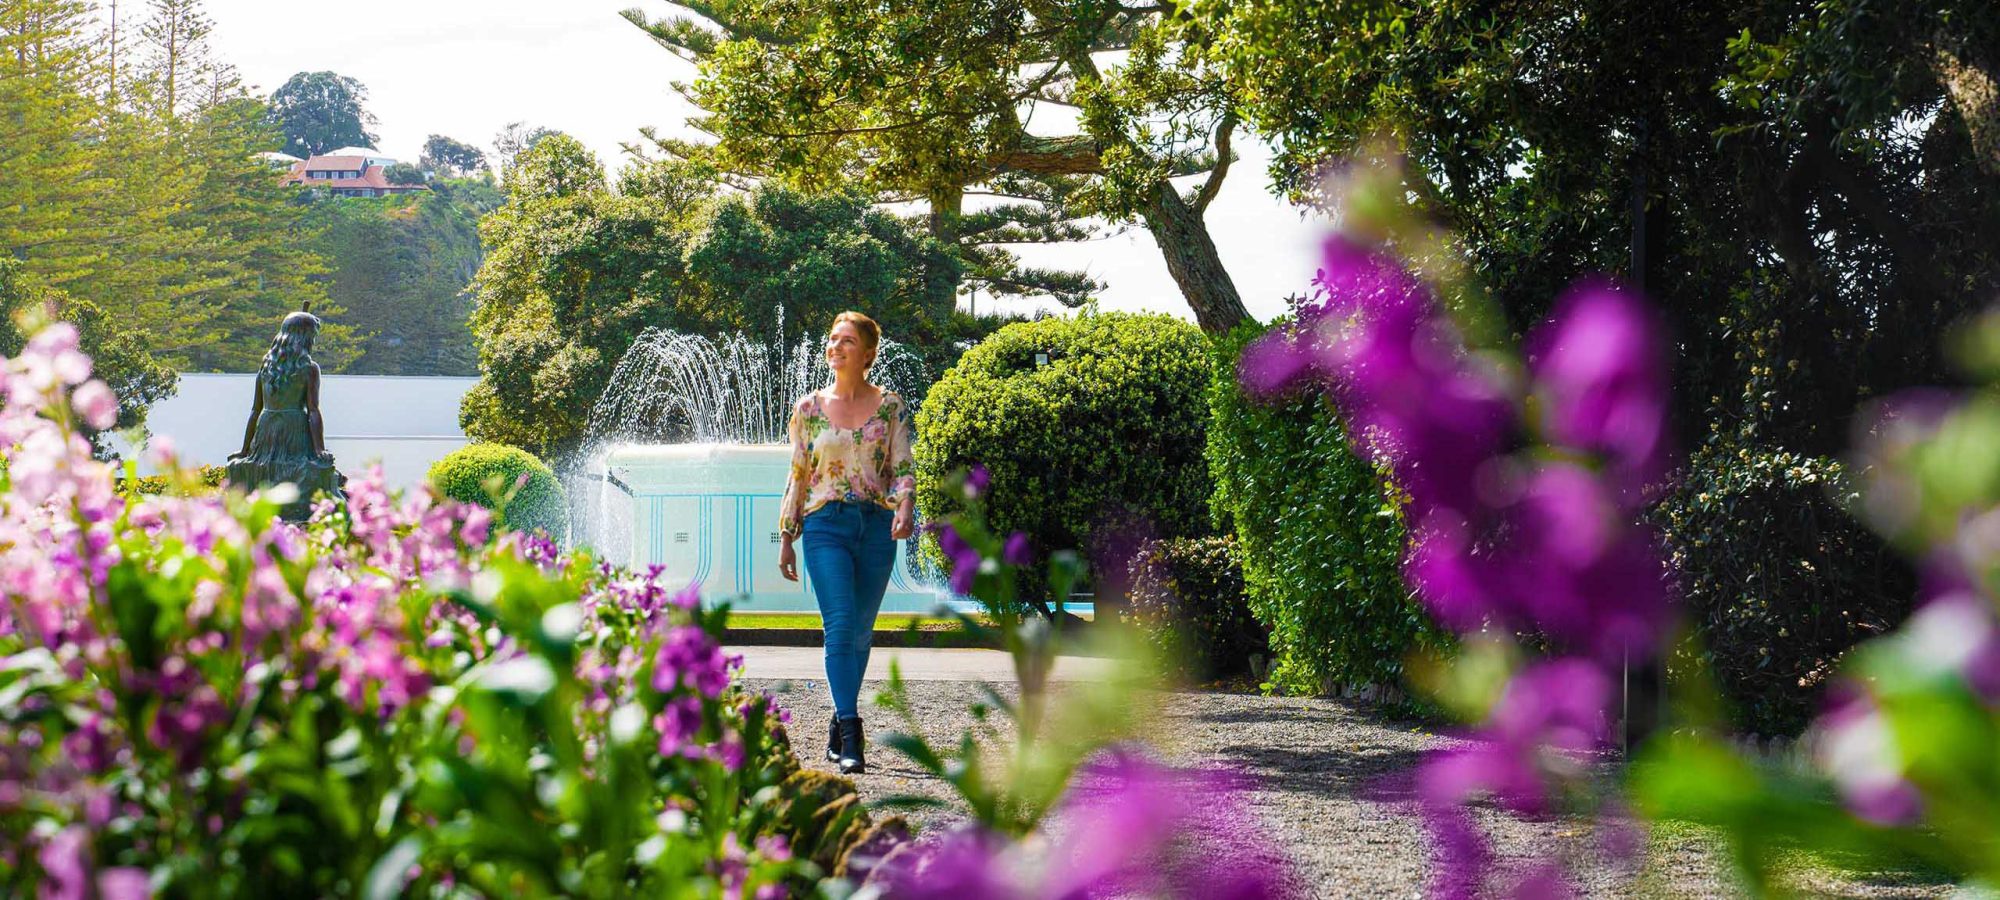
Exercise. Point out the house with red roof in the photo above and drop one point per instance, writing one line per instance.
(348, 172)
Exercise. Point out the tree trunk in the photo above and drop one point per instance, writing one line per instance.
(947, 203)
(1192, 260)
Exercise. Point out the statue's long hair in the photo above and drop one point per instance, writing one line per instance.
(291, 350)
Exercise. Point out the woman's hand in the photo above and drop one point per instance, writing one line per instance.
(904, 526)
(788, 560)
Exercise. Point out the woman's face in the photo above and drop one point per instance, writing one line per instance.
(846, 351)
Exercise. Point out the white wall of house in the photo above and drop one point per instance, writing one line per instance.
(404, 422)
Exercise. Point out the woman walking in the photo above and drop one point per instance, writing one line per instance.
(849, 499)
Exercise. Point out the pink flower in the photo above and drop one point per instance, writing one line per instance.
(96, 404)
(123, 883)
(65, 861)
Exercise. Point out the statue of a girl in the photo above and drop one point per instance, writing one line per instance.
(285, 440)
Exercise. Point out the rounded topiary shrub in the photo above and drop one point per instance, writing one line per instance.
(1318, 534)
(465, 474)
(1777, 579)
(1187, 601)
(1088, 425)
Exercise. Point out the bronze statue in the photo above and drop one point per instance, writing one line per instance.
(285, 440)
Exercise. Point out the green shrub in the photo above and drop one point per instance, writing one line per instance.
(1187, 599)
(464, 474)
(1105, 437)
(1778, 581)
(205, 480)
(1320, 543)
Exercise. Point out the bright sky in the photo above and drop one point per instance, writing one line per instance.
(465, 68)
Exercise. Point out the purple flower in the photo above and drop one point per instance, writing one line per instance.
(1274, 362)
(1461, 852)
(65, 861)
(1601, 380)
(1143, 829)
(1554, 707)
(1580, 569)
(962, 864)
(691, 658)
(1542, 881)
(90, 746)
(678, 724)
(977, 481)
(1020, 551)
(964, 559)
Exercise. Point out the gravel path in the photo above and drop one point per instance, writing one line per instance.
(1332, 789)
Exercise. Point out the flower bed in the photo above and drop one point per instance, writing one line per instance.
(197, 699)
(399, 698)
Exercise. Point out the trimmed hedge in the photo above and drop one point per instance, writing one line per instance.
(1102, 442)
(464, 474)
(1320, 542)
(1188, 601)
(1778, 580)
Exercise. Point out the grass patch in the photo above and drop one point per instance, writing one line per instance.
(787, 621)
(1812, 871)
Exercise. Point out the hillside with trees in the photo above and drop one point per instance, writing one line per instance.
(401, 267)
(129, 174)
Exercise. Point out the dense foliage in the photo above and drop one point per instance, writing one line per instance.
(575, 271)
(402, 267)
(135, 200)
(1909, 737)
(1831, 165)
(122, 360)
(1319, 535)
(934, 104)
(1099, 447)
(1777, 578)
(317, 112)
(521, 490)
(451, 158)
(1187, 598)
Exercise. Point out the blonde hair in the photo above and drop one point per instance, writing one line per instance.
(871, 333)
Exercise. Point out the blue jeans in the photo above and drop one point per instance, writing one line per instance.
(849, 555)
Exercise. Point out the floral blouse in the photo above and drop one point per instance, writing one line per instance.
(870, 464)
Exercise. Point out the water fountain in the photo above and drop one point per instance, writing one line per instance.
(686, 458)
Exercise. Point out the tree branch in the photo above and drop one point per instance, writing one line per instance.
(1068, 155)
(1223, 157)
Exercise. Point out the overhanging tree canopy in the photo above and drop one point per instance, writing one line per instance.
(941, 100)
(1813, 185)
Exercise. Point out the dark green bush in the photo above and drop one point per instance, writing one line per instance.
(1108, 433)
(1320, 542)
(464, 475)
(1187, 599)
(1777, 579)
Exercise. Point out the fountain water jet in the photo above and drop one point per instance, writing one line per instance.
(685, 460)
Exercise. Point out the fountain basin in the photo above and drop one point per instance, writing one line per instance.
(708, 514)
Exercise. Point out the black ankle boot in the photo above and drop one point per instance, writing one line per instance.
(852, 760)
(833, 739)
